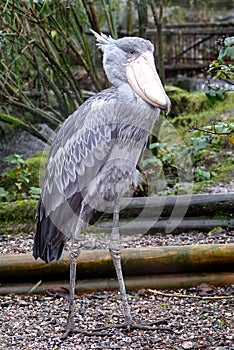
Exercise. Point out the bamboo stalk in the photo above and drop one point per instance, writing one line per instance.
(142, 17)
(90, 66)
(107, 4)
(92, 15)
(129, 10)
(158, 20)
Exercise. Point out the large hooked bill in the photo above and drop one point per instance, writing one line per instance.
(144, 80)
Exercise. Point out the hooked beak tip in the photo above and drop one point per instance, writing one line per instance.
(166, 107)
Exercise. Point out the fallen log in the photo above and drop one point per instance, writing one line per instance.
(165, 214)
(200, 212)
(20, 268)
(194, 205)
(166, 225)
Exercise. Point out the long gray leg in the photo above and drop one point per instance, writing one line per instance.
(74, 253)
(114, 249)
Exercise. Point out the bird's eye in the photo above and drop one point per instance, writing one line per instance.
(131, 52)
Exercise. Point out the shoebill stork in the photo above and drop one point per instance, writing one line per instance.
(93, 158)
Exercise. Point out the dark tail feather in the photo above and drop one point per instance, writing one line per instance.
(48, 240)
(89, 215)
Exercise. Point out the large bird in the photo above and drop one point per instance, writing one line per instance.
(94, 156)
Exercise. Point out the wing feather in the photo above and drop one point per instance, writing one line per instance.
(80, 159)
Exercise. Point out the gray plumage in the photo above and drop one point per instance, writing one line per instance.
(97, 147)
(94, 156)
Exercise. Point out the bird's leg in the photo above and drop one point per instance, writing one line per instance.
(74, 253)
(114, 249)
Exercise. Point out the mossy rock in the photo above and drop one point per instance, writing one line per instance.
(184, 102)
(17, 217)
(190, 108)
(34, 165)
(18, 211)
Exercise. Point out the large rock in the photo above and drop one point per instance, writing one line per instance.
(23, 143)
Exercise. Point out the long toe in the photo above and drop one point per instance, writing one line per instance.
(131, 325)
(147, 326)
(126, 326)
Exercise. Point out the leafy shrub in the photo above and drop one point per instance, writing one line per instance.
(17, 181)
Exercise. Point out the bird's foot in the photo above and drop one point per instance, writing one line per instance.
(131, 325)
(66, 334)
(126, 326)
(69, 329)
(88, 332)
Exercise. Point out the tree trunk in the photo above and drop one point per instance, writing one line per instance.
(142, 17)
(158, 20)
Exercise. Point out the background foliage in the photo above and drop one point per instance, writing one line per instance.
(49, 65)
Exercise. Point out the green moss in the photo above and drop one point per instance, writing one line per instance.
(224, 174)
(34, 164)
(194, 109)
(18, 211)
(199, 113)
(17, 217)
(184, 102)
(224, 171)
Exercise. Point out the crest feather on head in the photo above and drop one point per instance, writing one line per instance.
(102, 39)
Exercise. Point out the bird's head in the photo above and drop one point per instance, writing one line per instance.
(130, 60)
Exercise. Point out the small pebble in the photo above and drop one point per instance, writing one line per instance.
(187, 345)
(22, 303)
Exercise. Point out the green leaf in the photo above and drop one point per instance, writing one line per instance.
(201, 175)
(152, 161)
(215, 95)
(157, 144)
(3, 193)
(53, 33)
(222, 54)
(221, 127)
(35, 192)
(15, 159)
(229, 41)
(153, 145)
(230, 52)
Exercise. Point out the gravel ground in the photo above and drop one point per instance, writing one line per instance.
(201, 321)
(23, 243)
(37, 322)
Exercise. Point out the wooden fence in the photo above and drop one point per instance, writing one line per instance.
(192, 46)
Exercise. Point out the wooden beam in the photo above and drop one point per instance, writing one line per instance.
(167, 281)
(20, 268)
